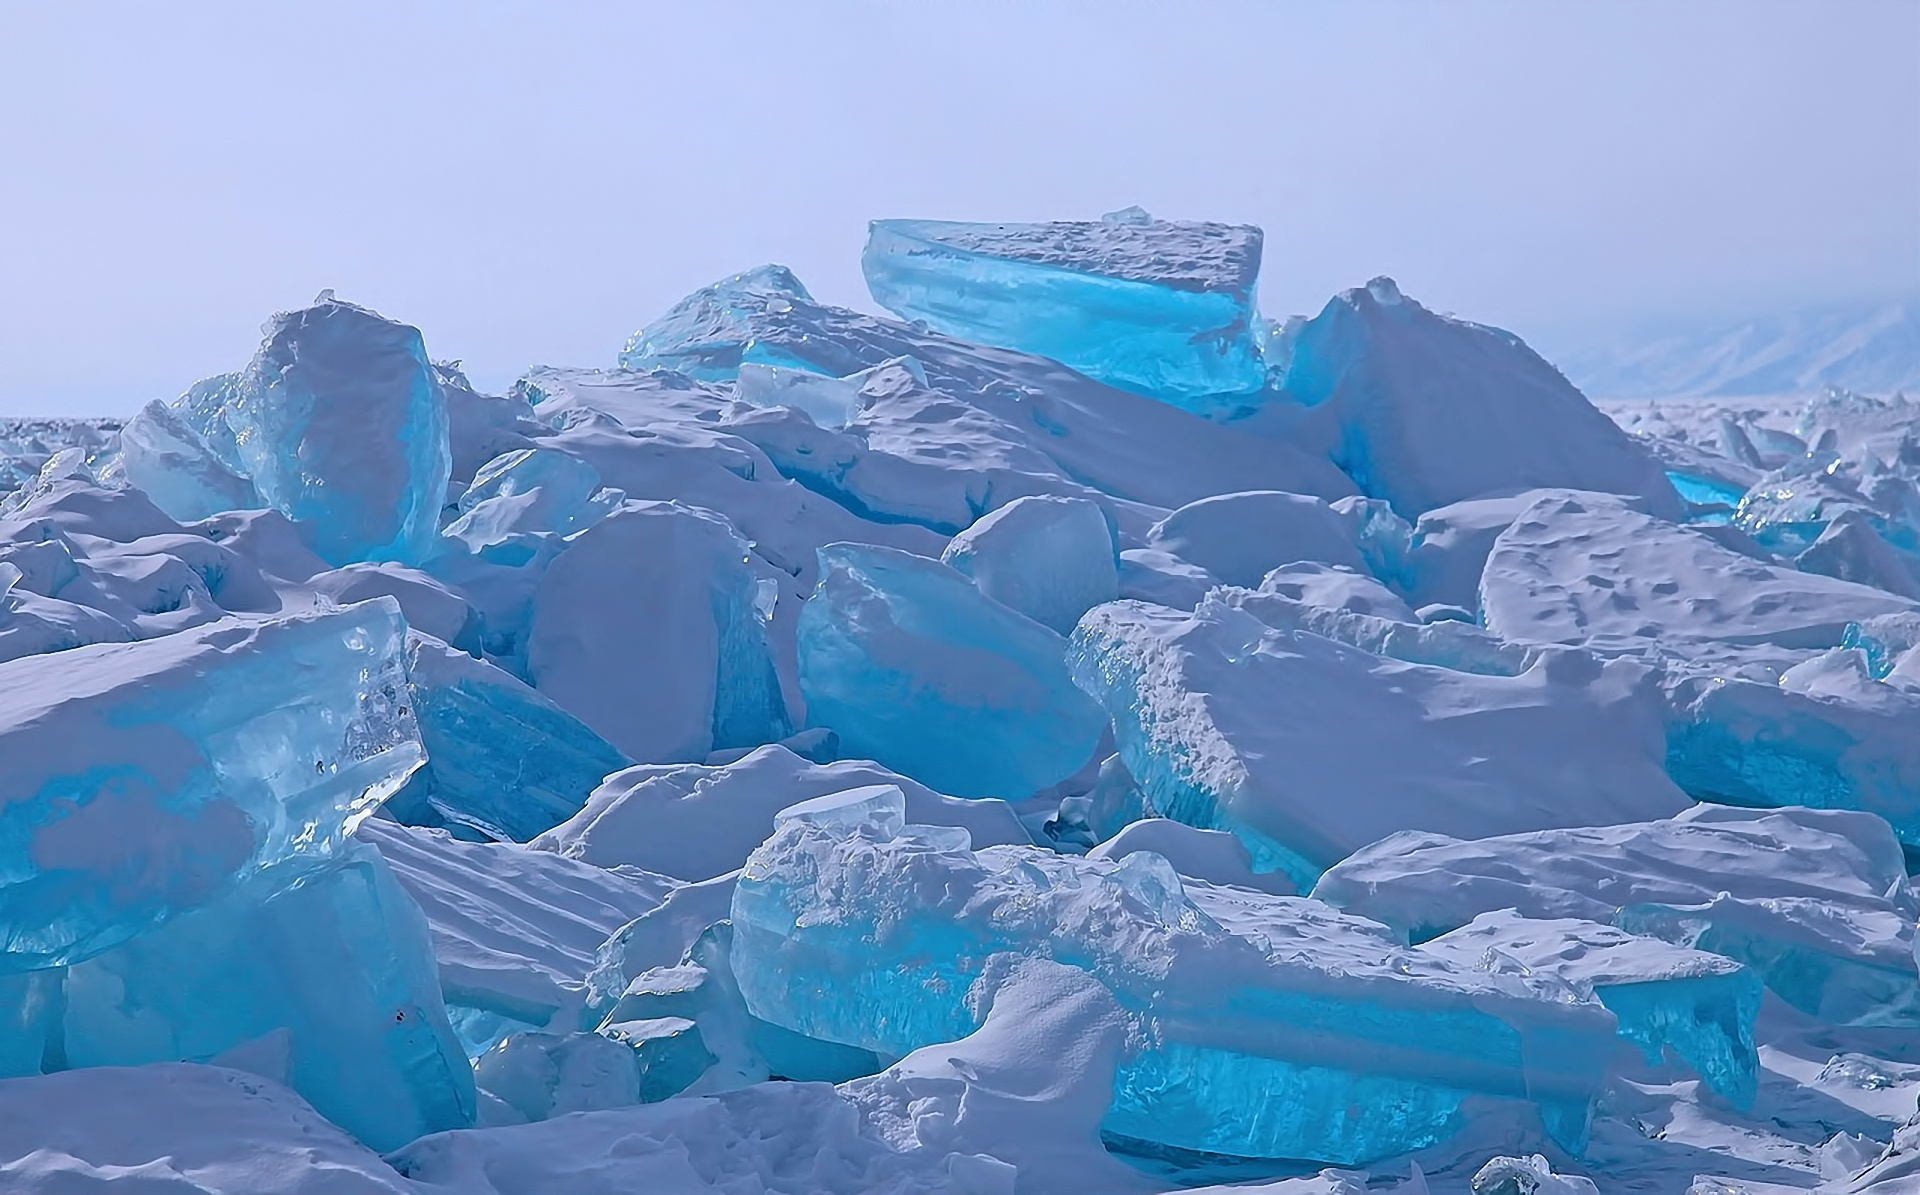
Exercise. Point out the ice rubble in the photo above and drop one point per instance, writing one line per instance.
(836, 582)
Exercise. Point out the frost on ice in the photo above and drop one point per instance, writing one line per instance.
(822, 752)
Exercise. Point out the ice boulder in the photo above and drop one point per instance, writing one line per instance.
(1309, 749)
(1814, 901)
(1052, 559)
(914, 667)
(1424, 409)
(342, 427)
(651, 628)
(1580, 568)
(502, 759)
(1239, 538)
(163, 455)
(520, 496)
(1301, 1034)
(1159, 307)
(533, 1076)
(701, 821)
(323, 966)
(141, 781)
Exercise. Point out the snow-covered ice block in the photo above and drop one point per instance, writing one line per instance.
(1446, 643)
(1827, 735)
(140, 781)
(651, 629)
(700, 821)
(1052, 559)
(1425, 410)
(1211, 855)
(1586, 568)
(914, 667)
(533, 1076)
(1123, 444)
(178, 1128)
(1815, 901)
(162, 454)
(1159, 307)
(429, 605)
(502, 759)
(342, 427)
(515, 932)
(331, 957)
(1239, 538)
(828, 402)
(1308, 749)
(522, 495)
(1298, 1032)
(1700, 1005)
(1337, 589)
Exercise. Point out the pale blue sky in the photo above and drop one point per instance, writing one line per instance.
(529, 182)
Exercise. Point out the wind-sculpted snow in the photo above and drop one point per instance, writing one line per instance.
(1308, 749)
(821, 699)
(1157, 307)
(1815, 901)
(1260, 1041)
(142, 781)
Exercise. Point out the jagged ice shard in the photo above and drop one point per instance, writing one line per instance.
(1159, 307)
(342, 427)
(140, 781)
(1285, 1030)
(914, 667)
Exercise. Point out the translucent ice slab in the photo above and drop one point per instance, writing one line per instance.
(1815, 901)
(163, 455)
(1299, 1033)
(139, 781)
(916, 668)
(1153, 306)
(329, 960)
(342, 426)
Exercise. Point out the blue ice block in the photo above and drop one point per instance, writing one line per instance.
(1268, 1026)
(915, 668)
(139, 781)
(331, 956)
(343, 428)
(521, 496)
(1158, 307)
(162, 454)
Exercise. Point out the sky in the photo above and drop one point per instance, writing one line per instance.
(528, 183)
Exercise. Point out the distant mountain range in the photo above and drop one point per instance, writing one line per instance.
(1871, 348)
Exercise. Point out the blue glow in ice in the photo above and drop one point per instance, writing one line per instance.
(1052, 559)
(1256, 1041)
(343, 429)
(710, 332)
(1161, 308)
(161, 454)
(140, 781)
(332, 955)
(522, 497)
(915, 668)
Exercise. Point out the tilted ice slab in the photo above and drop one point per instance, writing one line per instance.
(914, 667)
(1815, 901)
(651, 628)
(1827, 735)
(1308, 749)
(162, 454)
(1459, 646)
(1424, 410)
(1585, 568)
(140, 781)
(698, 821)
(1123, 444)
(520, 497)
(502, 759)
(1303, 1033)
(1158, 307)
(341, 426)
(317, 972)
(1698, 1004)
